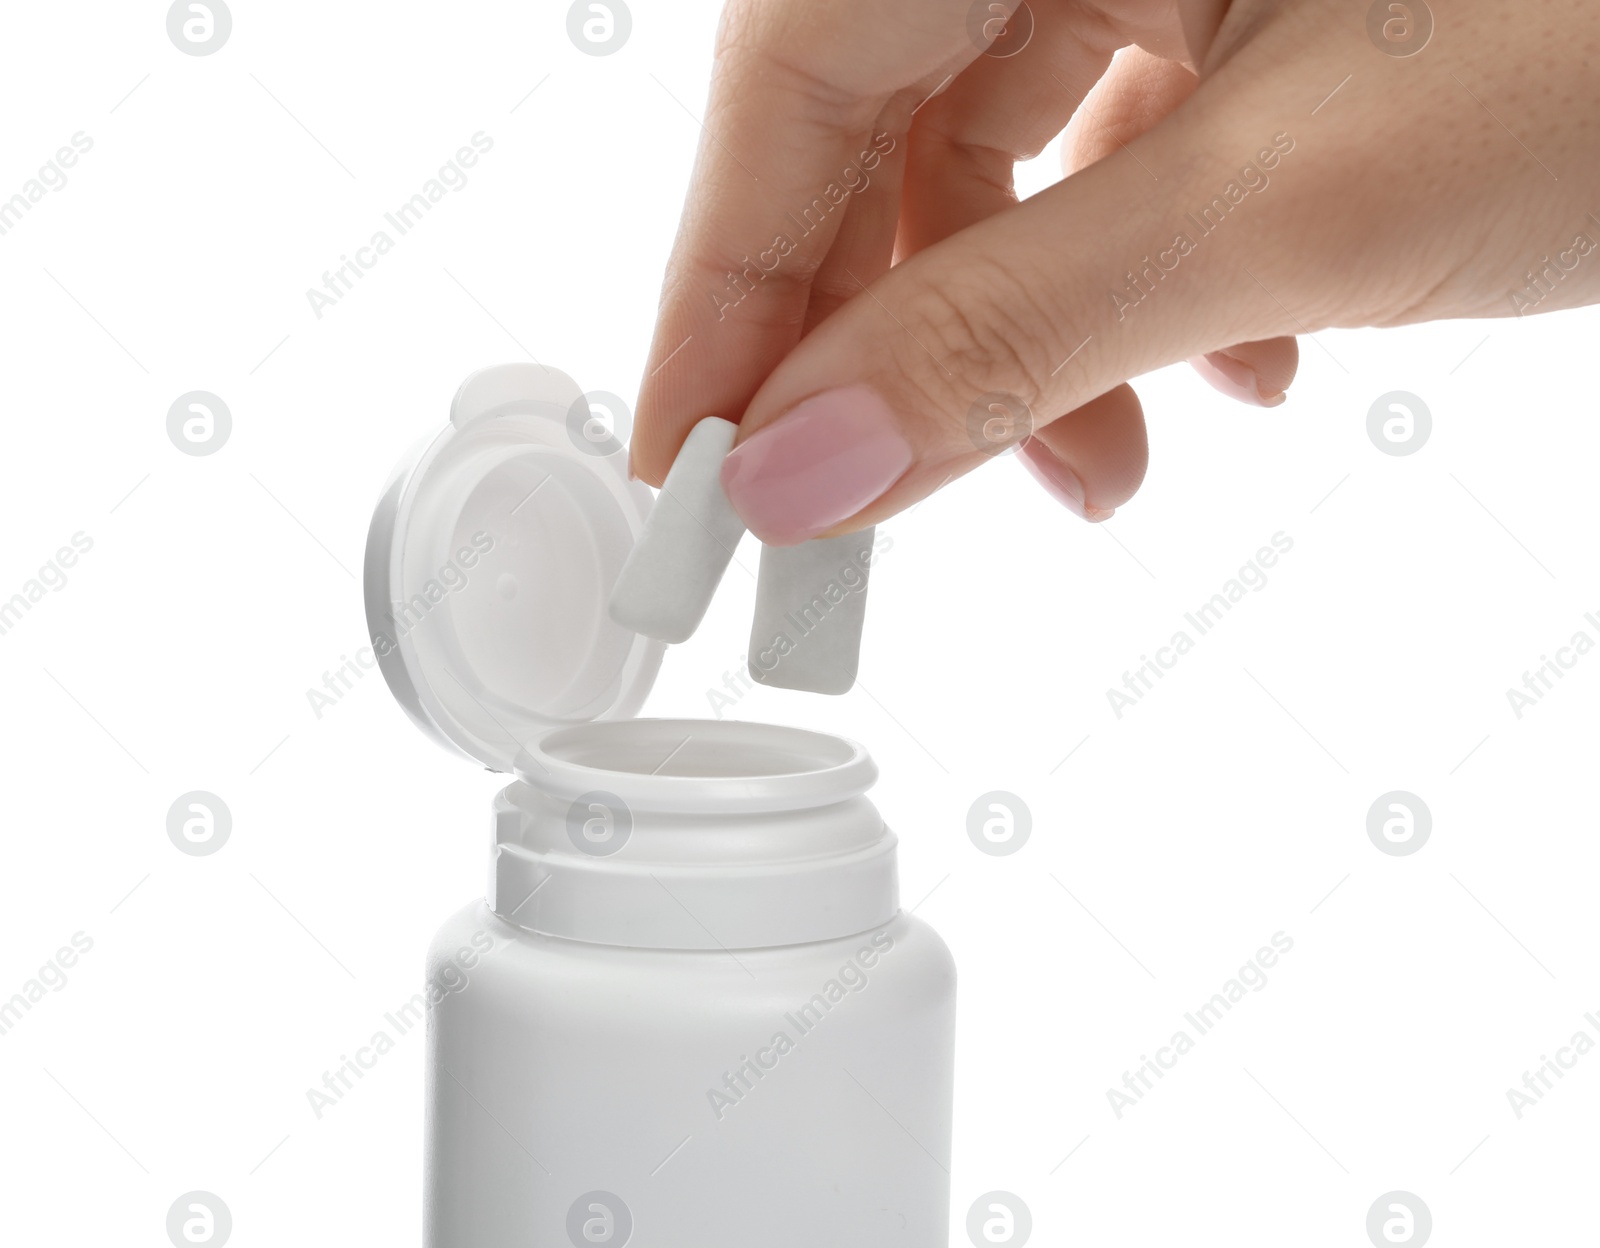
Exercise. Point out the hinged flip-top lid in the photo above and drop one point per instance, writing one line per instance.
(489, 562)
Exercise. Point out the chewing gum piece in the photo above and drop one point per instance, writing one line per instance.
(811, 602)
(688, 539)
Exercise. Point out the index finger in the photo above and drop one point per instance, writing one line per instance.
(800, 121)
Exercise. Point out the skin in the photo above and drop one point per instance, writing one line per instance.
(1418, 187)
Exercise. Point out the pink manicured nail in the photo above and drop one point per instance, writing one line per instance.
(1064, 485)
(1235, 378)
(817, 464)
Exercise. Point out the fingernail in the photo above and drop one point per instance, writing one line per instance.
(1236, 379)
(816, 465)
(1063, 484)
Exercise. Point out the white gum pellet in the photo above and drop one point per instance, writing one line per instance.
(689, 537)
(811, 602)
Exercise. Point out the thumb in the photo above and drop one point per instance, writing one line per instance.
(1141, 260)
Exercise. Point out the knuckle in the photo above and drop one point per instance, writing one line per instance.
(761, 45)
(988, 335)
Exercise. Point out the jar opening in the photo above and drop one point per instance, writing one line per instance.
(685, 764)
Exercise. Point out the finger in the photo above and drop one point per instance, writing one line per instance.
(963, 149)
(1253, 372)
(871, 412)
(1133, 95)
(1005, 107)
(1138, 91)
(863, 249)
(1092, 460)
(789, 138)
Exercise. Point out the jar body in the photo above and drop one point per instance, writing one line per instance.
(791, 1096)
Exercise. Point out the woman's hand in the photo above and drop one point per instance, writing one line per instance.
(1239, 172)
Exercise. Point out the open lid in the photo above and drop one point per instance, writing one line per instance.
(489, 562)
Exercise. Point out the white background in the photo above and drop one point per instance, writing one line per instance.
(1228, 805)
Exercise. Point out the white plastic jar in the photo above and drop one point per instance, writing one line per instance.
(690, 1009)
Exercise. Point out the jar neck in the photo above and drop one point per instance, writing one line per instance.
(604, 869)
